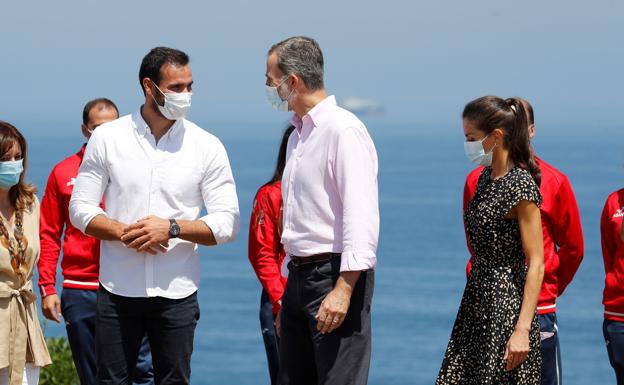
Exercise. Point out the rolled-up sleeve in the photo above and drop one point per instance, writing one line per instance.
(219, 194)
(356, 179)
(90, 184)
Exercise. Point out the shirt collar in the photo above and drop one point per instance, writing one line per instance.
(143, 129)
(316, 114)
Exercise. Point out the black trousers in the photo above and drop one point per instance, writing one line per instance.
(123, 321)
(79, 312)
(310, 358)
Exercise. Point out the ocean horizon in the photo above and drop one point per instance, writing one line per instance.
(422, 252)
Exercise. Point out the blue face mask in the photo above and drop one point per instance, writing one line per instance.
(476, 153)
(10, 173)
(275, 100)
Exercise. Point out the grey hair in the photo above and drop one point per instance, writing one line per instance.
(301, 56)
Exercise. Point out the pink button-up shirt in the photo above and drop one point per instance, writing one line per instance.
(329, 188)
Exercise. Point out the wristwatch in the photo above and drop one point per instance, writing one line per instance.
(174, 229)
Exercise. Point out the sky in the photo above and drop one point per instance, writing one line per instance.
(422, 60)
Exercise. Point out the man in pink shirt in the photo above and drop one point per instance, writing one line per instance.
(331, 225)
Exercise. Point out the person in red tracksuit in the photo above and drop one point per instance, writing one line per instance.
(563, 251)
(80, 263)
(613, 294)
(266, 255)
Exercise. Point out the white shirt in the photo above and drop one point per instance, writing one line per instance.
(329, 188)
(187, 170)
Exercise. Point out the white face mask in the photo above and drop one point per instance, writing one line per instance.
(476, 153)
(177, 104)
(275, 100)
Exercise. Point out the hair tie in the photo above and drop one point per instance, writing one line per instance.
(513, 108)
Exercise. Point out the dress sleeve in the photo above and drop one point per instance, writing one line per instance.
(521, 187)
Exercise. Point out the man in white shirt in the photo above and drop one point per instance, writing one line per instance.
(156, 171)
(331, 225)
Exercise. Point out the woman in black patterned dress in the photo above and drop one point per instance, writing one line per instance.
(495, 339)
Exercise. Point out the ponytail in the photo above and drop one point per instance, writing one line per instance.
(518, 140)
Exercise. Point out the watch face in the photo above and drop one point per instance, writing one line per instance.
(174, 229)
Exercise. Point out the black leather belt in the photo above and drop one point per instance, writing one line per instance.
(316, 258)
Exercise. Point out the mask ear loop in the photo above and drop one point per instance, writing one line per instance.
(290, 94)
(159, 90)
(282, 82)
(287, 99)
(495, 144)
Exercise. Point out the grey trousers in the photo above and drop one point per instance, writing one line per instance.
(310, 358)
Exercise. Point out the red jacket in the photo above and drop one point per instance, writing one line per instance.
(81, 253)
(613, 256)
(266, 252)
(561, 227)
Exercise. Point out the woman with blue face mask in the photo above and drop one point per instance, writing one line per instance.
(495, 339)
(22, 347)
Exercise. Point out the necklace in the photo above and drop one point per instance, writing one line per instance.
(508, 167)
(16, 245)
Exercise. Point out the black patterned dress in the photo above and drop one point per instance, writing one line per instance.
(493, 295)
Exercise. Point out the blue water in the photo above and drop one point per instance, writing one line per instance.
(422, 252)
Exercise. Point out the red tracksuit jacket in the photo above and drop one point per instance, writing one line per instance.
(81, 253)
(613, 256)
(266, 252)
(561, 226)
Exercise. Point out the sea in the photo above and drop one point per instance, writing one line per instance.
(422, 251)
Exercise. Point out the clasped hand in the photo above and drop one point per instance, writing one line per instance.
(150, 234)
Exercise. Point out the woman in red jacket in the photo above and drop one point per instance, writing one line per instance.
(613, 295)
(266, 254)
